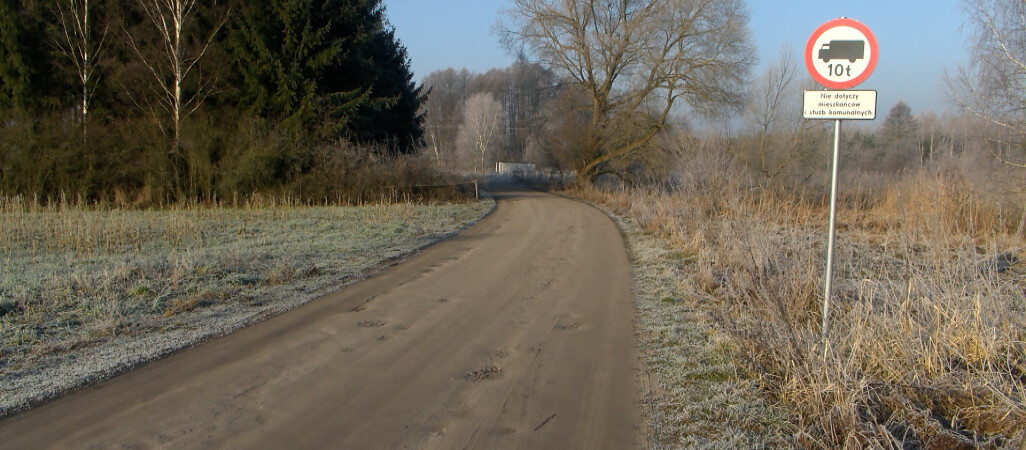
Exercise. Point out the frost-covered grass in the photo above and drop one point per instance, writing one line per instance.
(94, 284)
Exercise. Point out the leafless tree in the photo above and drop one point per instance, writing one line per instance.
(558, 137)
(928, 123)
(77, 43)
(774, 111)
(636, 60)
(482, 119)
(447, 92)
(530, 87)
(993, 86)
(176, 60)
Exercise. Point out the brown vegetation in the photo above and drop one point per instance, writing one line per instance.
(925, 347)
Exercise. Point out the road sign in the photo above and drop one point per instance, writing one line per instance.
(841, 53)
(840, 105)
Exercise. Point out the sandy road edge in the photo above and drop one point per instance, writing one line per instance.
(690, 392)
(95, 364)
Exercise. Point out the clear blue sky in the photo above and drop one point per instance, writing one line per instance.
(919, 39)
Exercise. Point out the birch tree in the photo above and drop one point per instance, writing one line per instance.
(172, 65)
(482, 119)
(177, 59)
(77, 43)
(993, 85)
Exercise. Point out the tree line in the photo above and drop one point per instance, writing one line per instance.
(474, 119)
(628, 89)
(184, 99)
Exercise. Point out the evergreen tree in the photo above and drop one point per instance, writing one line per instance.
(279, 55)
(26, 60)
(329, 65)
(900, 123)
(395, 121)
(348, 83)
(373, 70)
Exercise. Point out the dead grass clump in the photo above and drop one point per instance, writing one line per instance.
(181, 305)
(488, 372)
(925, 347)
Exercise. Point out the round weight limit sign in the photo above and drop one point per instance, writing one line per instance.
(841, 53)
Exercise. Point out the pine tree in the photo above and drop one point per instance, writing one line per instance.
(348, 83)
(400, 125)
(26, 60)
(900, 123)
(280, 54)
(381, 100)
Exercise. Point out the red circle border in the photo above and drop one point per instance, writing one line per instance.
(842, 22)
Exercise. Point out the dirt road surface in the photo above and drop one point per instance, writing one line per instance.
(516, 333)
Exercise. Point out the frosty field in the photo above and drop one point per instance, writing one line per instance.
(87, 293)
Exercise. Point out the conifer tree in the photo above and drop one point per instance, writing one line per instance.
(400, 125)
(26, 79)
(900, 123)
(380, 97)
(280, 53)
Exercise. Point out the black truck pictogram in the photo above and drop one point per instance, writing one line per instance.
(850, 50)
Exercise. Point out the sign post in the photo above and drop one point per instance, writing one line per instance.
(840, 55)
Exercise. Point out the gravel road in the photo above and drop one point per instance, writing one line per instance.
(516, 333)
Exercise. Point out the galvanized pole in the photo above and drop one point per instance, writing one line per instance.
(830, 241)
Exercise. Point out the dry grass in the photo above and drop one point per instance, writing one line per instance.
(694, 397)
(925, 347)
(80, 277)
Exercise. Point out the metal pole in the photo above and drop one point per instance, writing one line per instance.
(830, 241)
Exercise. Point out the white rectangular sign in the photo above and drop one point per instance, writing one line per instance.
(842, 105)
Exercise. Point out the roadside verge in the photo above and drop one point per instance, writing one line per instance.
(692, 395)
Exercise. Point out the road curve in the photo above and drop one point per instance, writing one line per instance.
(516, 333)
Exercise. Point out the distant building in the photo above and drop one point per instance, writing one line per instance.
(515, 168)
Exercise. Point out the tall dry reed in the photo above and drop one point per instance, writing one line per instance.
(925, 347)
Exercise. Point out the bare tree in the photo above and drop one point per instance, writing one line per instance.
(447, 92)
(530, 87)
(929, 122)
(991, 87)
(774, 110)
(563, 131)
(177, 59)
(635, 60)
(482, 119)
(77, 44)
